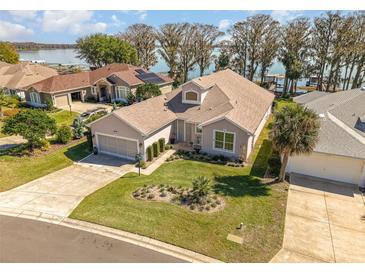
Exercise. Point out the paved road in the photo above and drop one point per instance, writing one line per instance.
(24, 240)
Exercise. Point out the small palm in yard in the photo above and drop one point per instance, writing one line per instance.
(201, 188)
(295, 131)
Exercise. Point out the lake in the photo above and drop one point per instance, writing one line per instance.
(69, 57)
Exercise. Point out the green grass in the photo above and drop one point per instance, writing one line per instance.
(280, 103)
(16, 170)
(64, 117)
(1, 125)
(260, 207)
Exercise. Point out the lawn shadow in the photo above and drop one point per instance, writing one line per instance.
(260, 164)
(77, 152)
(238, 186)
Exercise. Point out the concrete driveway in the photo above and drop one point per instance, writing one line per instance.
(60, 192)
(81, 107)
(325, 222)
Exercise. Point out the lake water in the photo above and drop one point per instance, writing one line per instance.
(69, 57)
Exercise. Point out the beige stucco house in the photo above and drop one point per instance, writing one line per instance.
(107, 84)
(340, 152)
(14, 78)
(222, 113)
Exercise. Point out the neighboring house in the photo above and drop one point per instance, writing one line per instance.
(15, 77)
(222, 113)
(107, 84)
(340, 152)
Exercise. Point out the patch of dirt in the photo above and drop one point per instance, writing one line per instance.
(179, 196)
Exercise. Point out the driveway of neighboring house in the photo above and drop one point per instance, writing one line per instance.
(60, 192)
(11, 141)
(81, 107)
(325, 222)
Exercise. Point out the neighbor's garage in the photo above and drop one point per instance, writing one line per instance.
(117, 146)
(329, 166)
(61, 100)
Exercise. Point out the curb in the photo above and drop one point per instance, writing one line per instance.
(143, 241)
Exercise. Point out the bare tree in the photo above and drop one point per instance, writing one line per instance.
(223, 61)
(206, 38)
(169, 37)
(143, 38)
(239, 47)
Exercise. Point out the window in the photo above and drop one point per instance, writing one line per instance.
(93, 90)
(198, 129)
(224, 140)
(121, 92)
(35, 98)
(191, 96)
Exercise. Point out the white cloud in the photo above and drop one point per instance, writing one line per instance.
(142, 14)
(20, 15)
(74, 22)
(285, 15)
(14, 32)
(116, 22)
(224, 24)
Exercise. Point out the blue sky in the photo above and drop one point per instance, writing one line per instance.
(67, 26)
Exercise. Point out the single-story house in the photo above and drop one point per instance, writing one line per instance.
(107, 84)
(340, 152)
(15, 77)
(222, 113)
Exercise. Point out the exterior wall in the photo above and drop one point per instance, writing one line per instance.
(44, 97)
(329, 166)
(240, 142)
(111, 125)
(164, 132)
(166, 89)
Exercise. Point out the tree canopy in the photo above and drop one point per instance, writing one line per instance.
(8, 53)
(33, 125)
(295, 131)
(147, 91)
(102, 49)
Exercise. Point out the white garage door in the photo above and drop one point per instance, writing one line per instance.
(116, 146)
(62, 100)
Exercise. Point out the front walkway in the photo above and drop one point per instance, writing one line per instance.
(325, 222)
(11, 141)
(81, 107)
(60, 192)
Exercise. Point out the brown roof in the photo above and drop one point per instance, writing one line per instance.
(125, 72)
(17, 76)
(229, 96)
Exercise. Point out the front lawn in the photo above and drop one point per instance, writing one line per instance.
(260, 207)
(16, 170)
(63, 117)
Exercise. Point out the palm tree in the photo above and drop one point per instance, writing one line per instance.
(294, 132)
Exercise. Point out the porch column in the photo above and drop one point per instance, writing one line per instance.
(362, 176)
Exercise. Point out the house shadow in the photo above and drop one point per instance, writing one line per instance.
(260, 164)
(239, 186)
(76, 153)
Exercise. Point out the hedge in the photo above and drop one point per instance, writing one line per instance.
(149, 153)
(156, 149)
(161, 142)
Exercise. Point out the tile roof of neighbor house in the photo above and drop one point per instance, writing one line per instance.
(229, 96)
(18, 76)
(340, 112)
(58, 83)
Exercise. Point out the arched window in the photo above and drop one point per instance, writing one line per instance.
(191, 96)
(35, 98)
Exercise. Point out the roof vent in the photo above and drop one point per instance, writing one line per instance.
(322, 116)
(210, 108)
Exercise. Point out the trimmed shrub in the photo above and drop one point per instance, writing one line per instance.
(64, 134)
(167, 147)
(149, 153)
(156, 149)
(151, 196)
(161, 142)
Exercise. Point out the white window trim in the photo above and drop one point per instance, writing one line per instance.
(197, 102)
(119, 90)
(224, 137)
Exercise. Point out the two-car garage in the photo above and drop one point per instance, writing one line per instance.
(117, 146)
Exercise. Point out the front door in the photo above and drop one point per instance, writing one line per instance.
(103, 94)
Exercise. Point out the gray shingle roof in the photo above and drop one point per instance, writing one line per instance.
(341, 111)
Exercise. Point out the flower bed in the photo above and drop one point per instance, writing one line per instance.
(180, 196)
(212, 159)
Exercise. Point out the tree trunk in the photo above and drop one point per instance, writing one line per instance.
(358, 73)
(284, 163)
(262, 75)
(350, 74)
